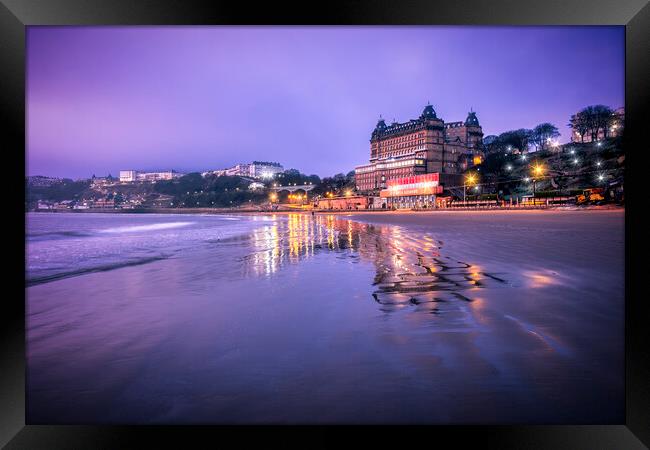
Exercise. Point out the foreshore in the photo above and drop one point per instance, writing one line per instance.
(403, 317)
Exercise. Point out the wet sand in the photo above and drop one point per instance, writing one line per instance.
(459, 317)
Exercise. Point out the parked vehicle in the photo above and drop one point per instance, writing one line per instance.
(591, 196)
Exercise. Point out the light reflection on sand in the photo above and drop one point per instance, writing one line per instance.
(412, 270)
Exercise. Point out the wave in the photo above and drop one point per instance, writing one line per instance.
(45, 235)
(103, 268)
(151, 227)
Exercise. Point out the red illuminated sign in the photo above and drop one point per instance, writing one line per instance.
(425, 184)
(414, 179)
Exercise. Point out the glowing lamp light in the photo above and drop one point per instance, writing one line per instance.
(575, 161)
(601, 177)
(508, 167)
(598, 163)
(523, 157)
(526, 179)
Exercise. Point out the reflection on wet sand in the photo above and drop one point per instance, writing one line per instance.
(411, 269)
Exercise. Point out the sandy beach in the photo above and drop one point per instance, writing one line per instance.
(442, 317)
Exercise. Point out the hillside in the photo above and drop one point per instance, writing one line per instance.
(567, 168)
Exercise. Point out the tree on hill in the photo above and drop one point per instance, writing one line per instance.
(592, 119)
(508, 141)
(579, 123)
(192, 182)
(292, 176)
(64, 190)
(542, 135)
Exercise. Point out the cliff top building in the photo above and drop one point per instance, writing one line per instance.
(256, 169)
(420, 146)
(131, 176)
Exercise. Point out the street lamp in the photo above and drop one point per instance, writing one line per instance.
(468, 180)
(538, 171)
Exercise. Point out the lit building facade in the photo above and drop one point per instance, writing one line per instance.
(240, 170)
(131, 176)
(256, 169)
(266, 170)
(417, 191)
(348, 202)
(128, 176)
(419, 146)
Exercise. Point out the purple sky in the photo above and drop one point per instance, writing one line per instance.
(101, 99)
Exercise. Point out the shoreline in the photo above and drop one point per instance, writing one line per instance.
(325, 211)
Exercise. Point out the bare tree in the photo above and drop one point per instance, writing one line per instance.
(543, 133)
(596, 118)
(579, 123)
(604, 118)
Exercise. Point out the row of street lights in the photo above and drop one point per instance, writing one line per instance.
(273, 196)
(471, 179)
(537, 172)
(309, 183)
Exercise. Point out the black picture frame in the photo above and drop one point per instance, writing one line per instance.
(15, 15)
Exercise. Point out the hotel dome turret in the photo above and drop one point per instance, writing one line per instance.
(472, 120)
(428, 113)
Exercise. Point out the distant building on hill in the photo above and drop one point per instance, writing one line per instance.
(265, 170)
(41, 181)
(128, 176)
(103, 203)
(240, 170)
(256, 169)
(131, 176)
(102, 181)
(255, 186)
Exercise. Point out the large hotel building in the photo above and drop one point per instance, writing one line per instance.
(420, 146)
